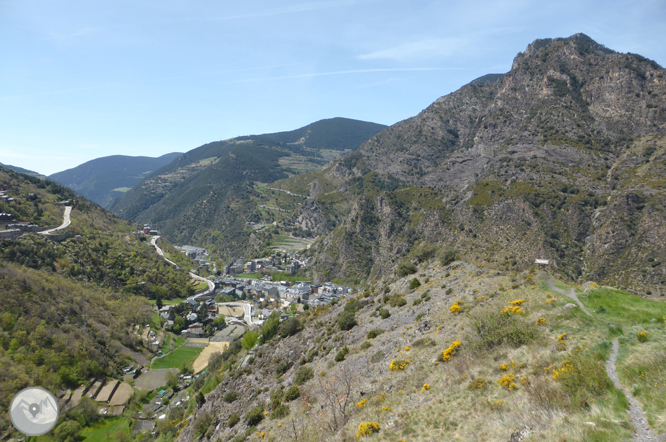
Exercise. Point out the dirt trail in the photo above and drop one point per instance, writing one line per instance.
(638, 419)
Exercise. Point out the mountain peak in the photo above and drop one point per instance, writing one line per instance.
(580, 44)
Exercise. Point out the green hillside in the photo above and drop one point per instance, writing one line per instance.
(104, 179)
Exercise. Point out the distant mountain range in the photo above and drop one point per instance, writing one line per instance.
(22, 170)
(104, 179)
(208, 194)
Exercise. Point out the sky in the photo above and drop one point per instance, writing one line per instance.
(81, 79)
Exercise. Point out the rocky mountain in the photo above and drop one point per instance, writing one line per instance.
(104, 179)
(208, 195)
(561, 158)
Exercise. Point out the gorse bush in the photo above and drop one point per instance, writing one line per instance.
(341, 354)
(233, 420)
(346, 321)
(372, 334)
(280, 412)
(494, 329)
(584, 377)
(414, 283)
(230, 396)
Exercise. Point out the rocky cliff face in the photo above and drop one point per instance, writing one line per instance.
(561, 158)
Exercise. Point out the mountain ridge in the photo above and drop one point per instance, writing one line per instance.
(99, 179)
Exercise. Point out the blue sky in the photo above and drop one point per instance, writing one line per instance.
(81, 79)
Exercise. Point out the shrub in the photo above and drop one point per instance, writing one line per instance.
(405, 268)
(414, 283)
(341, 354)
(303, 374)
(425, 252)
(366, 345)
(506, 381)
(455, 307)
(447, 255)
(353, 305)
(384, 314)
(346, 321)
(449, 291)
(377, 356)
(366, 429)
(276, 397)
(446, 354)
(397, 301)
(230, 397)
(290, 327)
(399, 364)
(255, 415)
(372, 334)
(281, 411)
(281, 368)
(202, 423)
(582, 376)
(416, 302)
(476, 384)
(494, 329)
(642, 337)
(292, 393)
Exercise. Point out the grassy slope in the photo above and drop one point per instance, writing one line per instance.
(178, 357)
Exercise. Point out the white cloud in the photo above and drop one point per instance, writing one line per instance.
(419, 50)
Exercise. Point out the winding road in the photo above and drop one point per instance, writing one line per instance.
(66, 221)
(211, 284)
(638, 419)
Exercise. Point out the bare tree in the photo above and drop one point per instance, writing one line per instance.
(336, 391)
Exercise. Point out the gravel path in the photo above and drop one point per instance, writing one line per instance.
(571, 294)
(638, 419)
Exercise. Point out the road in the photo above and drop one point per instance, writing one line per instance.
(66, 221)
(247, 308)
(211, 284)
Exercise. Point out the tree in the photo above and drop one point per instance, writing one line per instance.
(201, 399)
(219, 321)
(255, 415)
(447, 255)
(290, 327)
(171, 380)
(67, 431)
(336, 392)
(405, 268)
(158, 302)
(249, 339)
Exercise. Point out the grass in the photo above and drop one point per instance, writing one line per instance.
(167, 301)
(249, 275)
(622, 308)
(177, 357)
(106, 431)
(122, 189)
(199, 286)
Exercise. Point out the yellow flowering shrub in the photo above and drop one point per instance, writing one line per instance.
(565, 367)
(517, 302)
(366, 429)
(477, 384)
(540, 321)
(551, 300)
(506, 381)
(562, 337)
(455, 307)
(512, 310)
(399, 364)
(407, 348)
(425, 387)
(446, 354)
(642, 336)
(361, 404)
(504, 367)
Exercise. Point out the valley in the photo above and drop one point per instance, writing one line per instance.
(490, 269)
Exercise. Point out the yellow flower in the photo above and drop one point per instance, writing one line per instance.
(562, 337)
(517, 302)
(362, 403)
(366, 429)
(407, 348)
(399, 364)
(504, 367)
(446, 354)
(540, 321)
(425, 387)
(455, 307)
(279, 425)
(507, 381)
